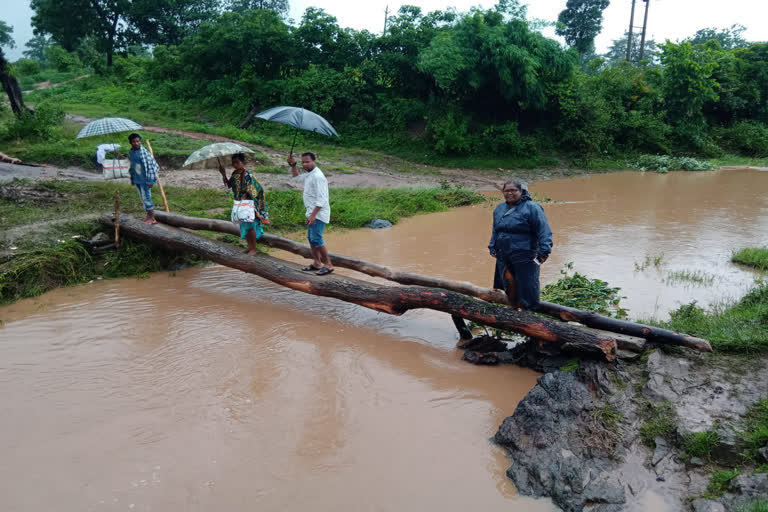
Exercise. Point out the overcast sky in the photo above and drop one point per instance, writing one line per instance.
(667, 19)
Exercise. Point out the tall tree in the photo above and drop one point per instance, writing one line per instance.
(279, 6)
(618, 50)
(10, 84)
(107, 20)
(729, 38)
(168, 22)
(580, 22)
(36, 48)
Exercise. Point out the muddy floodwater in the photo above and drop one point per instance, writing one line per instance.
(210, 389)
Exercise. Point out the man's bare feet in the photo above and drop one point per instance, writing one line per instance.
(252, 252)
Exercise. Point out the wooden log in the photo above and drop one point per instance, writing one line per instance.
(564, 313)
(394, 300)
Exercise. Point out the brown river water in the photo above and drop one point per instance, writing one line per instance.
(209, 389)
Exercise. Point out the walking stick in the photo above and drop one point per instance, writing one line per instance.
(117, 218)
(159, 183)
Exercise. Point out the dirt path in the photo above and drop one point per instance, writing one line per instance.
(363, 169)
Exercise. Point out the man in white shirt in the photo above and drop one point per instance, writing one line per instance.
(318, 211)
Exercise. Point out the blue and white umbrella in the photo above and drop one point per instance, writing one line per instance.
(300, 118)
(108, 125)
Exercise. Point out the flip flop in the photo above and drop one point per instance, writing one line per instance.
(311, 268)
(324, 271)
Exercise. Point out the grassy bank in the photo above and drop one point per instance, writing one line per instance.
(741, 326)
(39, 250)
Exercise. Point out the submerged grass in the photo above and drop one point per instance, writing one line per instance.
(693, 277)
(754, 257)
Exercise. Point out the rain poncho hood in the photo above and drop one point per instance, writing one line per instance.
(520, 231)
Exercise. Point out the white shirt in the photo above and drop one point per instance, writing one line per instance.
(101, 151)
(316, 194)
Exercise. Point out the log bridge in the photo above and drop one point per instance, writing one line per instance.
(594, 335)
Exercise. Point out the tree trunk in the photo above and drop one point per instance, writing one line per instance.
(249, 117)
(594, 320)
(394, 300)
(11, 88)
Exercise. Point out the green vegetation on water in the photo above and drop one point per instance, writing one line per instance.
(754, 257)
(578, 291)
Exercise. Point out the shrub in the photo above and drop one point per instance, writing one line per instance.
(664, 163)
(450, 134)
(41, 124)
(26, 67)
(748, 138)
(505, 139)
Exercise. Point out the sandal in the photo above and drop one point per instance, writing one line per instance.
(310, 268)
(324, 271)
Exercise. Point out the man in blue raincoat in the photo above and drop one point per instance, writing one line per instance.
(521, 242)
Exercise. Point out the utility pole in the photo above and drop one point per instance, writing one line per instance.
(629, 37)
(645, 25)
(386, 19)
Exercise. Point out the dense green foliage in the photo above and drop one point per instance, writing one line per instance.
(483, 82)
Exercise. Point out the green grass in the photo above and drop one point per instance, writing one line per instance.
(66, 150)
(756, 428)
(354, 207)
(757, 506)
(737, 327)
(754, 257)
(660, 421)
(743, 161)
(700, 444)
(720, 481)
(608, 417)
(655, 261)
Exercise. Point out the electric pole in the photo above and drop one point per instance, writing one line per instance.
(386, 19)
(645, 25)
(629, 37)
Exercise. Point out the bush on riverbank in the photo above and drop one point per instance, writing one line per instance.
(757, 257)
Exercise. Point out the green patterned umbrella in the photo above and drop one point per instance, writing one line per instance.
(216, 151)
(108, 125)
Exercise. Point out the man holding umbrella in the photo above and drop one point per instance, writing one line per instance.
(318, 211)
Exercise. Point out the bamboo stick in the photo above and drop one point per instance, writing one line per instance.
(159, 183)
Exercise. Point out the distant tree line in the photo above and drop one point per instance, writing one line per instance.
(480, 81)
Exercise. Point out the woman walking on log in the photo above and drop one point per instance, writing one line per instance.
(521, 242)
(245, 187)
